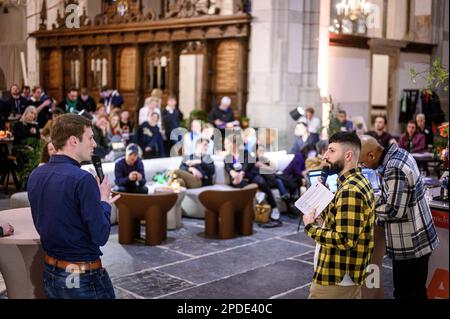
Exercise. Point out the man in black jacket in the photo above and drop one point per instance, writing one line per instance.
(86, 102)
(16, 104)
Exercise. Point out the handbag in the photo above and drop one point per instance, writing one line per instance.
(262, 213)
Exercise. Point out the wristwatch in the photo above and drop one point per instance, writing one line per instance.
(1, 231)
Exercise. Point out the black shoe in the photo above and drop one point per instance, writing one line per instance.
(272, 223)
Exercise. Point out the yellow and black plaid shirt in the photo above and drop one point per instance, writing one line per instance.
(346, 239)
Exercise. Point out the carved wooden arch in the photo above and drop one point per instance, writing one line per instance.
(99, 52)
(192, 47)
(73, 77)
(152, 52)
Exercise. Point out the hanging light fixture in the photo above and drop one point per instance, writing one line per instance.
(352, 16)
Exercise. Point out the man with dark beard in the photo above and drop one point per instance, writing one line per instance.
(345, 238)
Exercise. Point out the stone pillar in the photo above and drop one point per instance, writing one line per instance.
(440, 25)
(283, 64)
(33, 20)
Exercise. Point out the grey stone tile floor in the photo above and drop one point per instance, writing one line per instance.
(272, 263)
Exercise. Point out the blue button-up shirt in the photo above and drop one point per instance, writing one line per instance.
(67, 211)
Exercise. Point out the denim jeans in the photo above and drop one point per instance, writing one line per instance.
(94, 284)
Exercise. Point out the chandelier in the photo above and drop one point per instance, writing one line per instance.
(352, 16)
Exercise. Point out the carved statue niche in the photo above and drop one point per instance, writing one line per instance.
(72, 58)
(157, 66)
(189, 8)
(98, 67)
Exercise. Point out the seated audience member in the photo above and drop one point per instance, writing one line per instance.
(114, 121)
(211, 134)
(101, 133)
(190, 138)
(70, 103)
(26, 92)
(125, 123)
(16, 104)
(312, 121)
(6, 230)
(129, 172)
(222, 116)
(171, 119)
(110, 99)
(303, 138)
(86, 101)
(150, 107)
(411, 140)
(26, 137)
(346, 125)
(42, 105)
(27, 127)
(239, 164)
(425, 130)
(100, 111)
(3, 115)
(317, 162)
(250, 139)
(379, 132)
(150, 139)
(47, 130)
(197, 169)
(47, 151)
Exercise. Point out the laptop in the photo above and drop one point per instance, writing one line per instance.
(314, 175)
(371, 175)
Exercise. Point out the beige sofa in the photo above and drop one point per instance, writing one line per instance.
(191, 205)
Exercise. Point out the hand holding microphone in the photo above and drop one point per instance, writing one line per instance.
(103, 182)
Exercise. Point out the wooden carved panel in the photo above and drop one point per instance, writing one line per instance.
(157, 67)
(72, 68)
(99, 68)
(54, 68)
(227, 66)
(128, 66)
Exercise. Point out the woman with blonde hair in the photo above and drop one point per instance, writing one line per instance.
(151, 105)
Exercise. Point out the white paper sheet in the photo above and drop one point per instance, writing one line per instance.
(317, 196)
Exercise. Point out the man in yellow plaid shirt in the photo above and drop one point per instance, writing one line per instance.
(345, 238)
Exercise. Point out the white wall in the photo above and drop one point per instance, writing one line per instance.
(349, 80)
(191, 70)
(12, 42)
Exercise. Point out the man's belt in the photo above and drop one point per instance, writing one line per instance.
(73, 266)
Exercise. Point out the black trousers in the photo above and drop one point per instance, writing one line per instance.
(410, 278)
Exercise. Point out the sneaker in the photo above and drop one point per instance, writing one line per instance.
(275, 214)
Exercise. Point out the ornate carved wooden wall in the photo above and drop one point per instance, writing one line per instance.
(136, 53)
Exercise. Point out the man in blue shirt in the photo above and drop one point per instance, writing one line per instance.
(71, 212)
(346, 125)
(129, 172)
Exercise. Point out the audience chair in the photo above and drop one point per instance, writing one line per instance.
(132, 208)
(228, 212)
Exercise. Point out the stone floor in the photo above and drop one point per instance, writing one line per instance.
(272, 263)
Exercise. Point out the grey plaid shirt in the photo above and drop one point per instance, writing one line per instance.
(409, 228)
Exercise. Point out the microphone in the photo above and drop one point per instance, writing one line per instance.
(98, 167)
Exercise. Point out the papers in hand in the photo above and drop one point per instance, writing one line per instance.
(316, 197)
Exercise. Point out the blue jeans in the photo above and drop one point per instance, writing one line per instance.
(94, 284)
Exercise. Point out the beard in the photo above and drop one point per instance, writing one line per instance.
(336, 168)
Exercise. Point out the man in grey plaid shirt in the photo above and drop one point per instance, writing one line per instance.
(404, 211)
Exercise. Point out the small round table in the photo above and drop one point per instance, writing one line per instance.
(21, 256)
